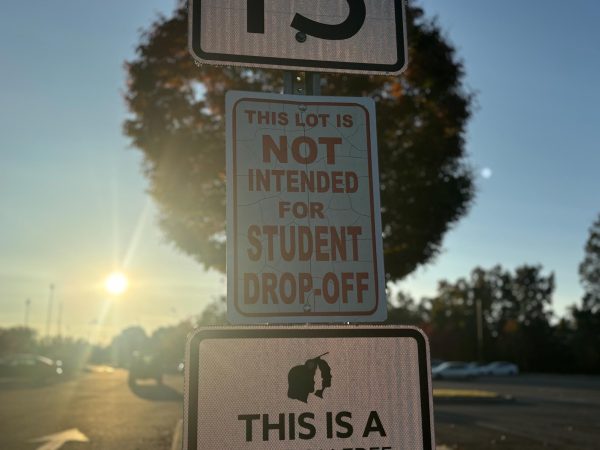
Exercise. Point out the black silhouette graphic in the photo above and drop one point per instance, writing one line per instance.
(301, 379)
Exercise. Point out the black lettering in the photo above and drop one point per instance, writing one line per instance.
(280, 426)
(348, 28)
(255, 16)
(339, 420)
(292, 426)
(308, 426)
(373, 425)
(249, 418)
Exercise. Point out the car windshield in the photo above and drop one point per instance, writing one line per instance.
(248, 166)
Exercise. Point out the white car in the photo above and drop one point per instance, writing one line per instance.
(479, 368)
(436, 362)
(500, 368)
(454, 370)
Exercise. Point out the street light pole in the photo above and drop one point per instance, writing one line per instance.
(49, 313)
(59, 320)
(27, 305)
(479, 314)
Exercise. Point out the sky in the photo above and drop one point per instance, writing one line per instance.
(73, 202)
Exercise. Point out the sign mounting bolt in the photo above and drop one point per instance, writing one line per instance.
(301, 37)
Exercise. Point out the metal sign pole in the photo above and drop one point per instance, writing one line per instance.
(296, 84)
(301, 83)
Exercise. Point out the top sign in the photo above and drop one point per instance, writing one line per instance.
(351, 36)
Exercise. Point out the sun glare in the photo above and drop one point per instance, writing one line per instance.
(116, 283)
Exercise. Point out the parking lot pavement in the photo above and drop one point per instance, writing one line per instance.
(546, 411)
(533, 412)
(99, 408)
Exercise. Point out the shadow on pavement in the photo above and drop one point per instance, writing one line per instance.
(499, 400)
(473, 413)
(545, 380)
(156, 392)
(453, 417)
(20, 383)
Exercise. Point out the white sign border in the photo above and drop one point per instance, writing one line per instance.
(379, 312)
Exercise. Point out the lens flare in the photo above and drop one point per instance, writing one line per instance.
(116, 283)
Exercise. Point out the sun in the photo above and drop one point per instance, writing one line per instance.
(116, 283)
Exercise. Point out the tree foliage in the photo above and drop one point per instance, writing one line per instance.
(589, 269)
(406, 311)
(178, 123)
(515, 313)
(586, 341)
(17, 340)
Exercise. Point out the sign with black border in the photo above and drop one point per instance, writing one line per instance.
(308, 387)
(351, 36)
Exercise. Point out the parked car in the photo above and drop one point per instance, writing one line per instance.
(30, 367)
(479, 368)
(436, 362)
(454, 370)
(145, 367)
(501, 368)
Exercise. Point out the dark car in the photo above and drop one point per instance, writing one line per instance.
(30, 367)
(145, 367)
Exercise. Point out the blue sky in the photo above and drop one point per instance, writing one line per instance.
(72, 195)
(535, 69)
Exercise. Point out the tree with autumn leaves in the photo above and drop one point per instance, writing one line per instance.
(177, 122)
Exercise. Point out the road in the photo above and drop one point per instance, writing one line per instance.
(101, 405)
(548, 412)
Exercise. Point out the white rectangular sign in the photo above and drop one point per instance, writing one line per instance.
(299, 388)
(304, 239)
(357, 36)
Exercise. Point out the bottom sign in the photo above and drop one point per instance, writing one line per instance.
(316, 387)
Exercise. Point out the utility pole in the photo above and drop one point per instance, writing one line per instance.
(59, 320)
(479, 314)
(49, 313)
(27, 306)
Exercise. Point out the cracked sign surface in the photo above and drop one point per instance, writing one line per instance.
(303, 216)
